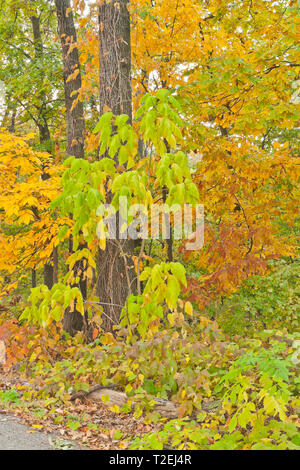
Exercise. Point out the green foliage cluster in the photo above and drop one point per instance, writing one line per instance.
(271, 301)
(49, 305)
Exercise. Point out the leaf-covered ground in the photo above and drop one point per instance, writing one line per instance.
(232, 391)
(89, 424)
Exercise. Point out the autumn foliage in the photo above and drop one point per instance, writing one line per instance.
(215, 99)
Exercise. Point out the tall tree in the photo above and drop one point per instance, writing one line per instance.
(115, 262)
(42, 122)
(73, 321)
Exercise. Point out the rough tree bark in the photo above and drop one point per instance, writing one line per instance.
(115, 273)
(115, 57)
(73, 321)
(75, 117)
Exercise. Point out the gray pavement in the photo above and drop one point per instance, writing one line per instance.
(15, 436)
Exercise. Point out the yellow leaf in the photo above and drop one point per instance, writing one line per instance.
(115, 409)
(188, 308)
(106, 109)
(102, 243)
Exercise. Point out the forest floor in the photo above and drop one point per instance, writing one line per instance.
(78, 426)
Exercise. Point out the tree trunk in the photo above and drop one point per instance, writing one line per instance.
(44, 133)
(55, 265)
(48, 275)
(33, 278)
(12, 126)
(115, 276)
(45, 138)
(75, 117)
(73, 321)
(115, 58)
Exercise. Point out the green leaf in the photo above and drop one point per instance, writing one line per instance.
(62, 231)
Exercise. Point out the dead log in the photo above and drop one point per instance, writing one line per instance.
(99, 394)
